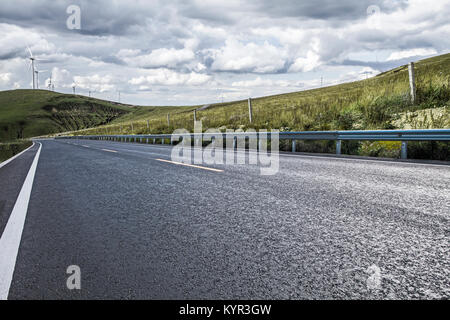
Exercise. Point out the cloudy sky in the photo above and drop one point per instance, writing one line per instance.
(202, 51)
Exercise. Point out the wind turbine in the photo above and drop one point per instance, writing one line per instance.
(32, 59)
(49, 85)
(37, 77)
(91, 92)
(74, 85)
(32, 66)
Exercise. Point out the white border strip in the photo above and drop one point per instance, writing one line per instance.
(10, 239)
(4, 163)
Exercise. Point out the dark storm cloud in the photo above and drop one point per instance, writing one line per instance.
(104, 17)
(326, 9)
(97, 17)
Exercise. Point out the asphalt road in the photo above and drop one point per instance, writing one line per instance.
(141, 228)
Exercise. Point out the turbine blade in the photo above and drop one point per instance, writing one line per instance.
(29, 51)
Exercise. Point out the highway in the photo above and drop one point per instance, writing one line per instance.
(142, 227)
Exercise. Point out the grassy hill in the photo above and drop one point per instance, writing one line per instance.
(30, 113)
(381, 102)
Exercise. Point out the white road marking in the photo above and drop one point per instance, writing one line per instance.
(85, 146)
(107, 150)
(10, 239)
(4, 163)
(189, 165)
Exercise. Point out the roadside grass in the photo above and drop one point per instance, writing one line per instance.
(10, 149)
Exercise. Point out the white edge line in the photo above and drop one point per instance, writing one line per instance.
(190, 165)
(4, 163)
(10, 239)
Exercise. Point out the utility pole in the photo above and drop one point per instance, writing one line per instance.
(195, 115)
(412, 82)
(168, 119)
(250, 110)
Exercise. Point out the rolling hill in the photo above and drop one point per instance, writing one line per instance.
(30, 113)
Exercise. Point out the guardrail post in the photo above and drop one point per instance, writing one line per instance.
(147, 141)
(294, 142)
(338, 146)
(404, 150)
(162, 141)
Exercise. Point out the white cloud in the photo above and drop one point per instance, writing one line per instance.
(170, 78)
(5, 79)
(95, 82)
(411, 53)
(305, 64)
(250, 57)
(259, 82)
(61, 78)
(162, 57)
(14, 40)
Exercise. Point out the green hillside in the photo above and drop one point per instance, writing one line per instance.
(30, 113)
(381, 102)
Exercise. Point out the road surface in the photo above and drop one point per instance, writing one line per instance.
(142, 228)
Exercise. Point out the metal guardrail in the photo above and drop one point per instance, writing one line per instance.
(372, 135)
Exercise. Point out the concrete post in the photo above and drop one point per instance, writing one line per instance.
(195, 115)
(412, 82)
(250, 111)
(404, 151)
(154, 141)
(147, 141)
(293, 145)
(338, 146)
